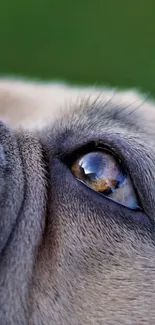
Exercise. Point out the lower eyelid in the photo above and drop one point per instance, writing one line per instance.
(98, 200)
(108, 197)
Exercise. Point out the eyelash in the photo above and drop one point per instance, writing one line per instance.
(69, 158)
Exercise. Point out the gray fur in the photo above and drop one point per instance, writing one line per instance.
(68, 255)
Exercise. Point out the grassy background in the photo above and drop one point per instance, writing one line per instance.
(83, 41)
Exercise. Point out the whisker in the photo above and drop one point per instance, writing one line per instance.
(109, 101)
(143, 102)
(121, 110)
(87, 99)
(96, 100)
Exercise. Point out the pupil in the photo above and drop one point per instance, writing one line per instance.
(89, 176)
(98, 166)
(93, 165)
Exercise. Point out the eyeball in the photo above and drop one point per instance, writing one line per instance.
(100, 171)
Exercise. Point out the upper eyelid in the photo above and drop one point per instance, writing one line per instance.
(93, 146)
(118, 145)
(126, 149)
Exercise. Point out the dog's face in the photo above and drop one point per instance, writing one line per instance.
(77, 222)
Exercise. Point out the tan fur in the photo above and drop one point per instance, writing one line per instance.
(34, 105)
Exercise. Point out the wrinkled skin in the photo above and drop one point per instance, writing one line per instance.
(67, 254)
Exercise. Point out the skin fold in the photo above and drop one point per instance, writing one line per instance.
(67, 254)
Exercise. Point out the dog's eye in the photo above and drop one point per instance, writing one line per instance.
(101, 172)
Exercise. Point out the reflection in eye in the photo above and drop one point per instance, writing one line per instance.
(101, 172)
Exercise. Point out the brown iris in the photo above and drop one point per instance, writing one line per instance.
(100, 171)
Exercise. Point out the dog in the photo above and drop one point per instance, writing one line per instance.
(77, 205)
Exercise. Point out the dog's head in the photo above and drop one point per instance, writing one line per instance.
(77, 209)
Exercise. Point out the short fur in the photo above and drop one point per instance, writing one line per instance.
(69, 256)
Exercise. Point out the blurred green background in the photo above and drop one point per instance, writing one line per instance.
(108, 42)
